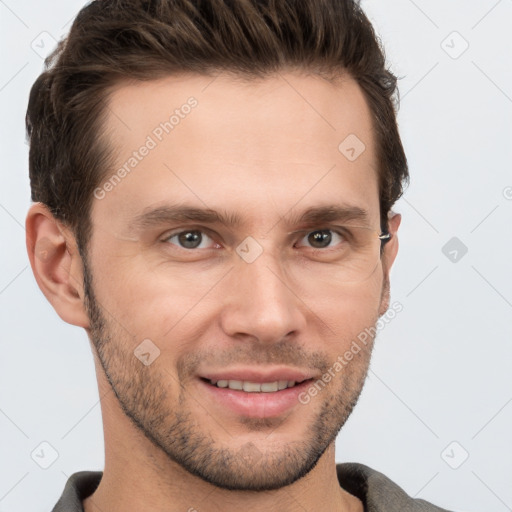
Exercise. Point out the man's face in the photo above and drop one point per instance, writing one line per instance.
(278, 307)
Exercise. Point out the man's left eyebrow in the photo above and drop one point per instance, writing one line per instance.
(326, 214)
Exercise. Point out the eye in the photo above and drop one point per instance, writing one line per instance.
(190, 239)
(322, 238)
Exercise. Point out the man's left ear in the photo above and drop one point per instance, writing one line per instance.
(388, 257)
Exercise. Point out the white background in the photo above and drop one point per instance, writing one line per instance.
(442, 368)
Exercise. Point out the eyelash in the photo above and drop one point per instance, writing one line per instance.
(168, 237)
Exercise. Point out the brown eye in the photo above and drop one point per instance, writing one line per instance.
(322, 238)
(190, 239)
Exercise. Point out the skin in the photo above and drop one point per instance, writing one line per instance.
(264, 150)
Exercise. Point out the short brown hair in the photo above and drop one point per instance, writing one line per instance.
(115, 40)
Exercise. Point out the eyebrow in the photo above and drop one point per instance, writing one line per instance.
(168, 214)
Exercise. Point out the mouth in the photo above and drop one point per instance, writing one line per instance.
(251, 393)
(254, 387)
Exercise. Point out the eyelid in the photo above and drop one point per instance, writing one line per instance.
(338, 231)
(312, 229)
(215, 237)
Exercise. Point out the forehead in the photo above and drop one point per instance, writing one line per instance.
(282, 140)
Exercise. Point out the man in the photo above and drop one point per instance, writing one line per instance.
(213, 184)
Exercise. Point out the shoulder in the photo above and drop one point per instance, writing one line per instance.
(78, 487)
(377, 492)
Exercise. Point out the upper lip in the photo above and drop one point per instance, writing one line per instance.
(258, 375)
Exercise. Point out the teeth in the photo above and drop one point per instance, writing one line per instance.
(254, 387)
(269, 387)
(236, 384)
(251, 387)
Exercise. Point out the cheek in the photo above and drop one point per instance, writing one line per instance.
(347, 309)
(155, 301)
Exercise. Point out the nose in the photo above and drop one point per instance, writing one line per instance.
(262, 304)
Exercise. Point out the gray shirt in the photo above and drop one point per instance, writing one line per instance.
(377, 492)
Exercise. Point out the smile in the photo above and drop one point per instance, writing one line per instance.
(254, 387)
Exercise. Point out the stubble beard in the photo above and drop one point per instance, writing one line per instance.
(171, 427)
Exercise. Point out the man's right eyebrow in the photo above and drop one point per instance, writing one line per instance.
(169, 214)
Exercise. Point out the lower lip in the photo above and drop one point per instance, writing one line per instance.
(259, 404)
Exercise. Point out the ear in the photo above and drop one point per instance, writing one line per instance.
(388, 257)
(56, 264)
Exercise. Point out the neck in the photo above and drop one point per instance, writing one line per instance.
(133, 487)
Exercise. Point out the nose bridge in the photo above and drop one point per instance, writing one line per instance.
(262, 303)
